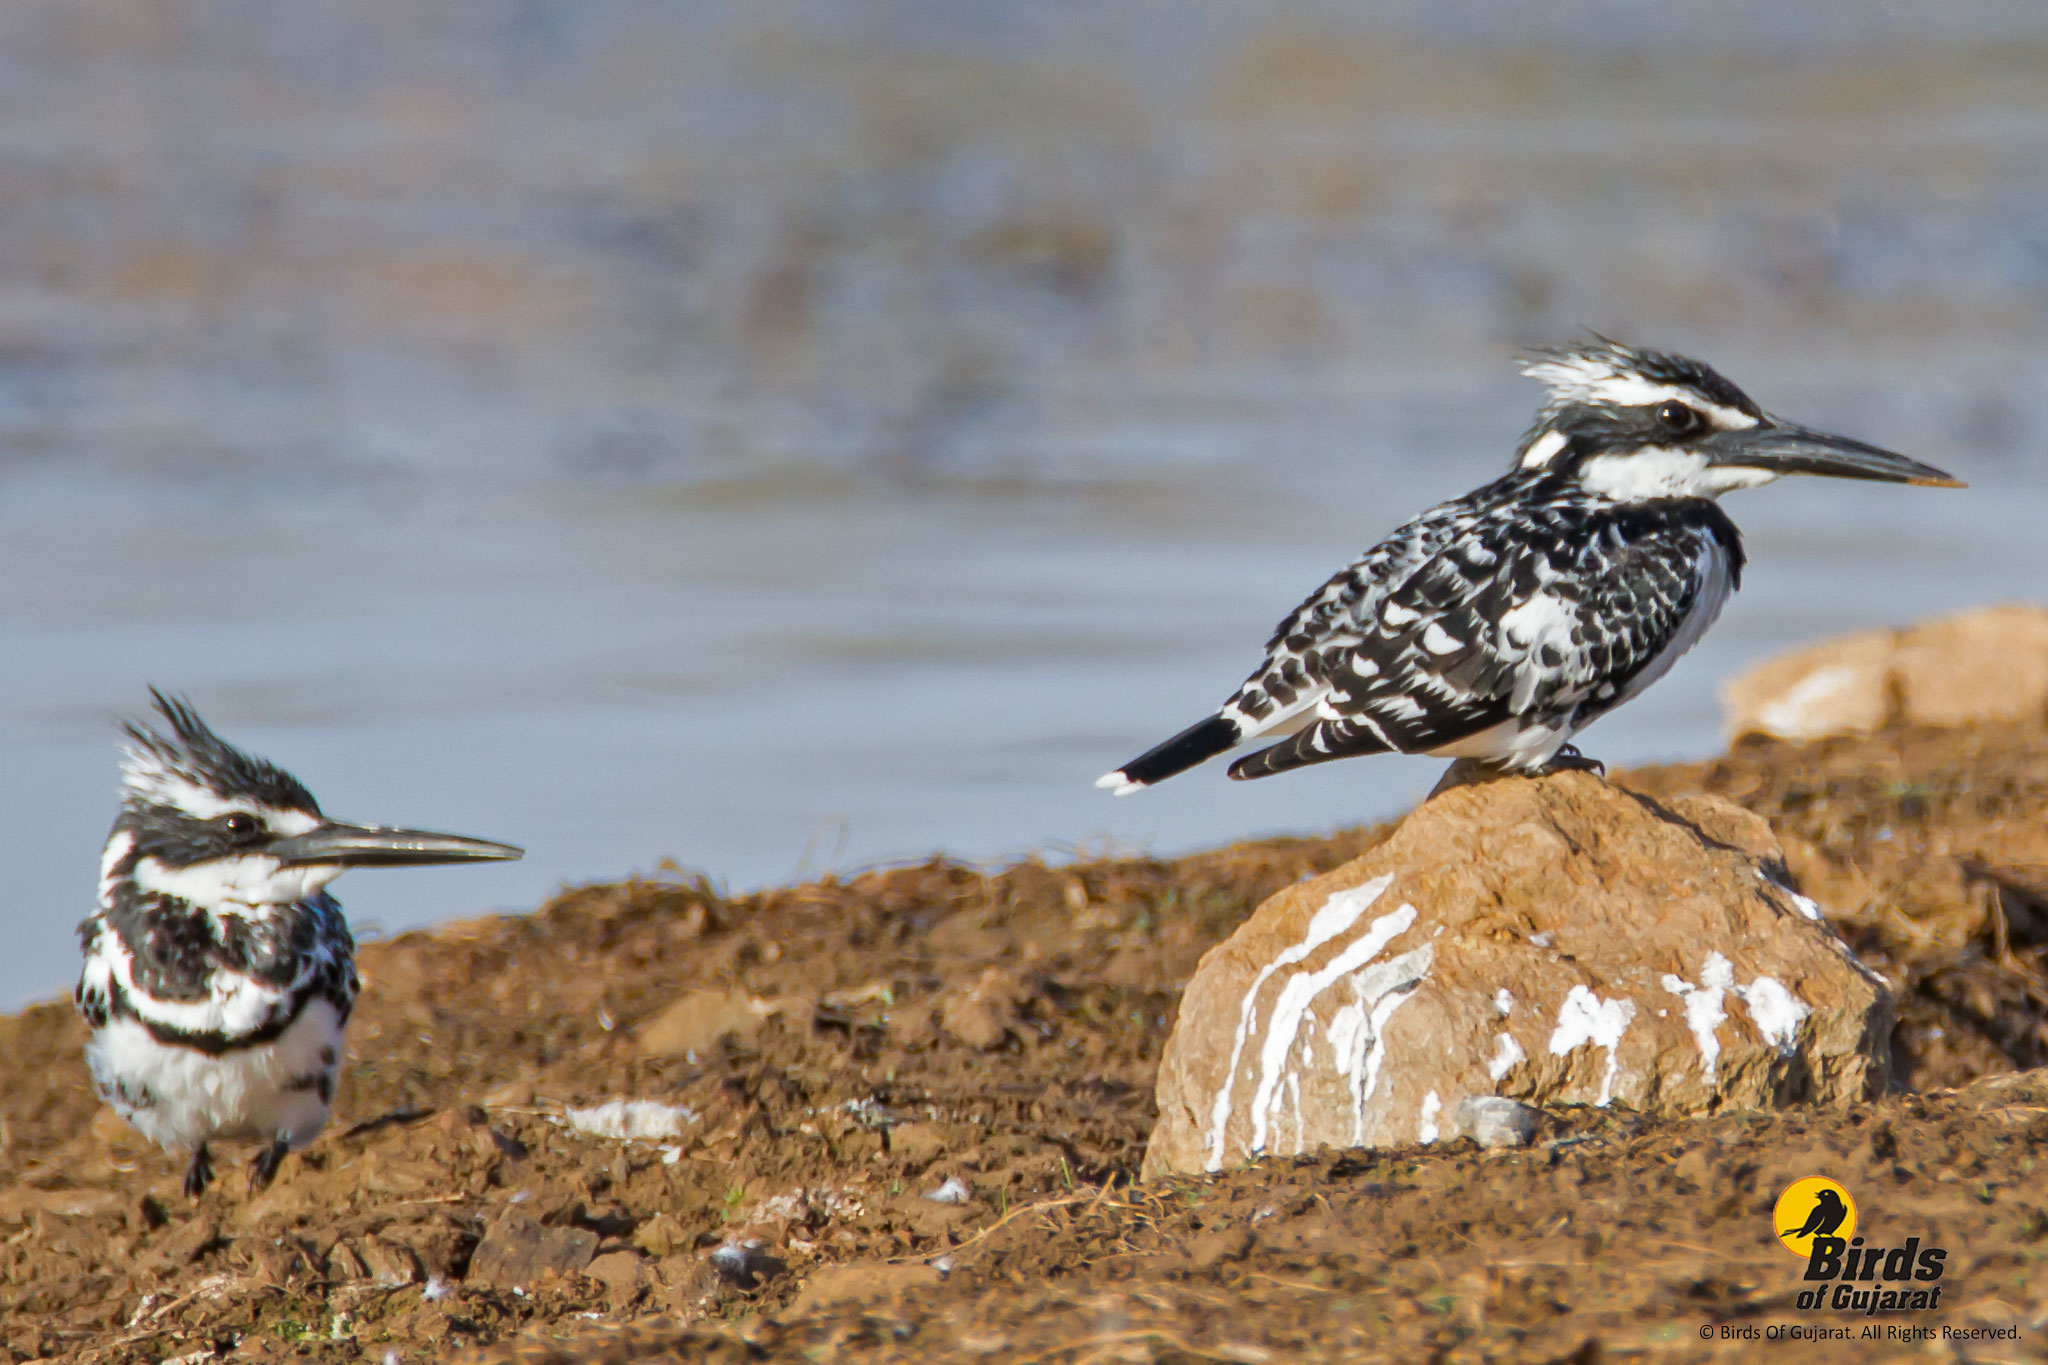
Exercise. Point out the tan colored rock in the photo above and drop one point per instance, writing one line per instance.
(980, 1015)
(697, 1020)
(918, 1143)
(513, 1094)
(387, 1262)
(624, 1275)
(517, 1250)
(1990, 664)
(661, 1236)
(866, 1282)
(1550, 940)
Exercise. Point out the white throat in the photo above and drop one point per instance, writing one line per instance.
(253, 880)
(1660, 472)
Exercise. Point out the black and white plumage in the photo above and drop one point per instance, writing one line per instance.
(219, 974)
(1497, 625)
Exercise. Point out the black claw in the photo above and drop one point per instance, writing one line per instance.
(198, 1173)
(1569, 759)
(264, 1169)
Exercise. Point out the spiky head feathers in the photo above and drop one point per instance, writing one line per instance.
(1606, 374)
(195, 771)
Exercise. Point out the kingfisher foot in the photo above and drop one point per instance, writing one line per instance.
(198, 1173)
(263, 1169)
(1569, 760)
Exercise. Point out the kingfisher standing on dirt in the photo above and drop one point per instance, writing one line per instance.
(1496, 626)
(219, 974)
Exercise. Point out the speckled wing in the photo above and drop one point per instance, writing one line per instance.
(1304, 657)
(1511, 630)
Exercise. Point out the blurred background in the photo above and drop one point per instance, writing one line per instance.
(786, 437)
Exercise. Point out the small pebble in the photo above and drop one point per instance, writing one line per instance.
(1496, 1121)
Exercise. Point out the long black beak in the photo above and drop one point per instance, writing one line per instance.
(1787, 448)
(375, 846)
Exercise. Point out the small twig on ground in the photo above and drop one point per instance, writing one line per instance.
(1017, 1212)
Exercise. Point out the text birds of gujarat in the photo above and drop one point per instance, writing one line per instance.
(219, 973)
(1498, 625)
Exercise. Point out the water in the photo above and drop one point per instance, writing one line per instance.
(785, 440)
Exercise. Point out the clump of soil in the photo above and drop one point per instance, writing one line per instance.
(822, 1060)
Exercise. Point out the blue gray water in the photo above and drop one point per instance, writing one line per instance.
(785, 438)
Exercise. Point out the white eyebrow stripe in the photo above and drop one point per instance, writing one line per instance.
(1599, 379)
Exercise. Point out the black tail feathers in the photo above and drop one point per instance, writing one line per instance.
(1202, 740)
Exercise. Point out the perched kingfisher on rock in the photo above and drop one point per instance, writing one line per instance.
(1498, 625)
(219, 973)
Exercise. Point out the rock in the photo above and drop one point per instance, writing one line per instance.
(513, 1094)
(1496, 1121)
(699, 1019)
(624, 1275)
(980, 1015)
(344, 1264)
(661, 1236)
(918, 1143)
(1548, 940)
(1990, 664)
(387, 1263)
(860, 1283)
(1231, 1242)
(517, 1250)
(745, 1262)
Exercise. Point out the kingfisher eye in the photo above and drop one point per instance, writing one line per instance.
(1676, 417)
(242, 825)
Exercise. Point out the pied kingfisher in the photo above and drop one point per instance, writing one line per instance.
(1496, 626)
(218, 973)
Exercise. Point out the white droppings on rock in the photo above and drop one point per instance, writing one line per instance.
(1703, 1009)
(1377, 992)
(1503, 1003)
(1293, 1001)
(1427, 1130)
(1337, 914)
(627, 1120)
(1506, 1054)
(1586, 1018)
(1776, 1012)
(1345, 1024)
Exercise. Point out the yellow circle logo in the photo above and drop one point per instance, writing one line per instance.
(1810, 1208)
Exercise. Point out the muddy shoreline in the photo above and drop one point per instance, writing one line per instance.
(832, 1054)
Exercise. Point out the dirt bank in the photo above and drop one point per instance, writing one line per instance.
(933, 1027)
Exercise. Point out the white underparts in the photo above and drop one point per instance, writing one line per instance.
(180, 1097)
(1519, 744)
